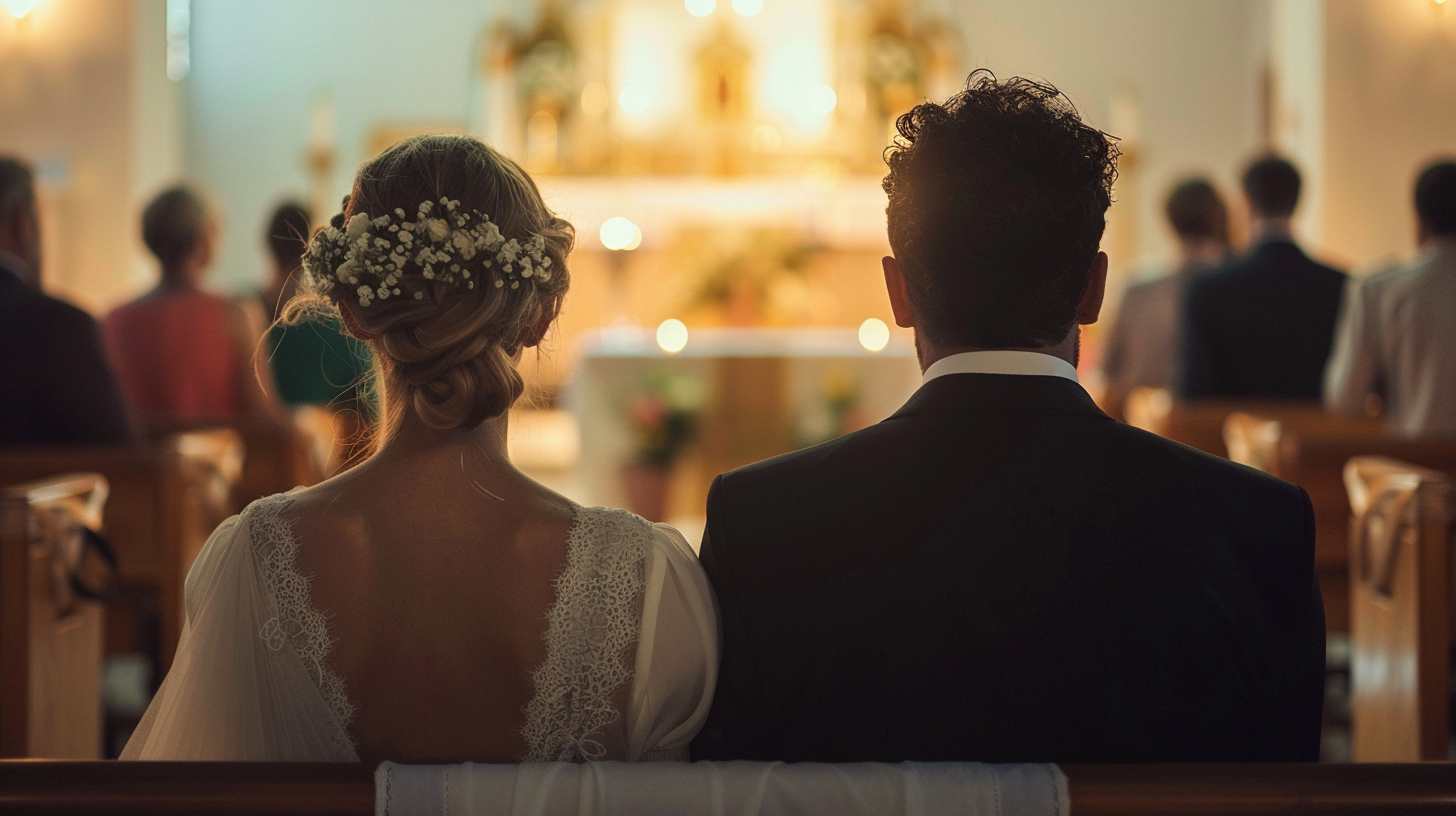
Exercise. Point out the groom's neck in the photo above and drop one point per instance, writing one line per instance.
(929, 351)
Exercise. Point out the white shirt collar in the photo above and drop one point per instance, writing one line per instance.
(1001, 362)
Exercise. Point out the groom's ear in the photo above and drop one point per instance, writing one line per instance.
(899, 292)
(1091, 304)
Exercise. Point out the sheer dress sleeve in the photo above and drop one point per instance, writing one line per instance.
(677, 652)
(231, 694)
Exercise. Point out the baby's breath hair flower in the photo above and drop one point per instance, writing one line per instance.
(442, 243)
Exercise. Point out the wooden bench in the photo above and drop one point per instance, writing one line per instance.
(165, 501)
(1200, 423)
(1401, 609)
(1095, 790)
(1311, 450)
(51, 640)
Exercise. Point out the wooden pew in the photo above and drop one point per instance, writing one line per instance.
(1200, 423)
(165, 501)
(1094, 790)
(1311, 449)
(1401, 605)
(279, 454)
(51, 640)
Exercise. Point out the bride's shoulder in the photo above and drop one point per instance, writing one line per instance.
(616, 529)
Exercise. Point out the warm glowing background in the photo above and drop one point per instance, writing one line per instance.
(737, 140)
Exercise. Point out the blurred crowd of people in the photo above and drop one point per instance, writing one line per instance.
(177, 357)
(1267, 323)
(1271, 323)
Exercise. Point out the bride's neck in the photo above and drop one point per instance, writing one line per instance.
(413, 438)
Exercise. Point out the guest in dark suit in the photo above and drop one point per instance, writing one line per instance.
(1263, 326)
(56, 384)
(1000, 572)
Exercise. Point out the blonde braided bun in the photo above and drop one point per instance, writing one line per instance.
(448, 352)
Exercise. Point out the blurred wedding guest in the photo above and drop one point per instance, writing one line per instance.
(314, 362)
(1141, 348)
(1397, 337)
(56, 383)
(1262, 326)
(185, 355)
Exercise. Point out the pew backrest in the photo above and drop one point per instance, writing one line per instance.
(1400, 604)
(51, 641)
(1094, 790)
(1201, 423)
(165, 500)
(1310, 449)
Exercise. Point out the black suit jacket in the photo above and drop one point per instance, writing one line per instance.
(1262, 327)
(999, 572)
(56, 382)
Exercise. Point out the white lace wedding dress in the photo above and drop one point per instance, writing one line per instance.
(251, 679)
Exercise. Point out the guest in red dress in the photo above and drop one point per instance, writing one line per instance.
(185, 356)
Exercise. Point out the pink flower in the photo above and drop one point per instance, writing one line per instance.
(648, 410)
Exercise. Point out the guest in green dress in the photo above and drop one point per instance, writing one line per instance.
(314, 361)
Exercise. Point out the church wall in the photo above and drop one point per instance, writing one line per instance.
(65, 104)
(1390, 108)
(1190, 73)
(260, 67)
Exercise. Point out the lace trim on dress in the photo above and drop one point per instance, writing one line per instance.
(592, 622)
(297, 624)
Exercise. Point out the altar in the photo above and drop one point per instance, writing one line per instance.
(721, 165)
(747, 393)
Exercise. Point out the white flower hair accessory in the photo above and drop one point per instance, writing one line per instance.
(445, 243)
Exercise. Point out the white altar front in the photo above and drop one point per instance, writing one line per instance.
(764, 392)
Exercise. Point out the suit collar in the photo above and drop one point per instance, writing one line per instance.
(1021, 363)
(968, 394)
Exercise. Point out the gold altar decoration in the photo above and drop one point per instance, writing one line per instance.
(645, 87)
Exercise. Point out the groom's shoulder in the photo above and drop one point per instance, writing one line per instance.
(1080, 450)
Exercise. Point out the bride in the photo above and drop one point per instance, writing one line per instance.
(434, 604)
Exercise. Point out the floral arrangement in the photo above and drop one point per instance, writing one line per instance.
(376, 254)
(664, 418)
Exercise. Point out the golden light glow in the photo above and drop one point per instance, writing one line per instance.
(595, 99)
(618, 233)
(821, 99)
(766, 139)
(672, 336)
(748, 8)
(19, 8)
(700, 8)
(635, 100)
(874, 335)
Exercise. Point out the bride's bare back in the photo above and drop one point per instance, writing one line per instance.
(453, 609)
(434, 566)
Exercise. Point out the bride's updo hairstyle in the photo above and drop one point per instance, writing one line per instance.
(448, 264)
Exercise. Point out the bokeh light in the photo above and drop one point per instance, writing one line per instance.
(766, 139)
(874, 335)
(821, 99)
(672, 335)
(748, 8)
(635, 100)
(618, 233)
(700, 8)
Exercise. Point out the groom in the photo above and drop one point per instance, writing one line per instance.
(999, 572)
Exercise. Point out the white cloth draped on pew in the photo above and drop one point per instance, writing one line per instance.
(721, 789)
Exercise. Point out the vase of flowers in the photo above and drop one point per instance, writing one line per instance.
(664, 421)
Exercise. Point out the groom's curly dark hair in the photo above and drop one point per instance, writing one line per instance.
(998, 200)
